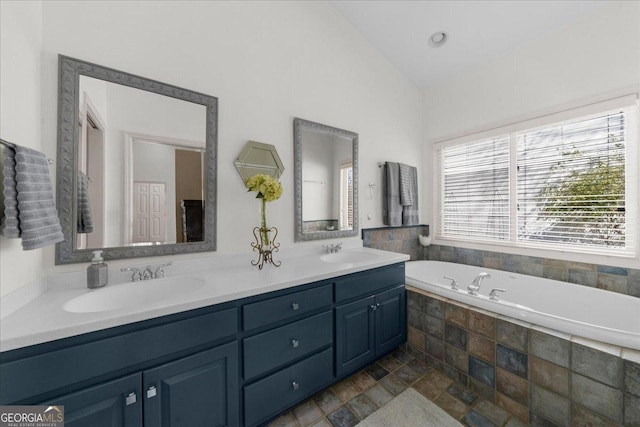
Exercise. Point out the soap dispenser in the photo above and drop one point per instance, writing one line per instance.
(97, 272)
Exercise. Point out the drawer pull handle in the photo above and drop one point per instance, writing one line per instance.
(295, 343)
(295, 385)
(151, 392)
(130, 399)
(295, 306)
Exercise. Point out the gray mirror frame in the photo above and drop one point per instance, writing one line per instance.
(298, 126)
(69, 71)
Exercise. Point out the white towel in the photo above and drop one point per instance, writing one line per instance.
(32, 211)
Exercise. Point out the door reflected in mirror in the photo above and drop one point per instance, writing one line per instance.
(140, 167)
(326, 169)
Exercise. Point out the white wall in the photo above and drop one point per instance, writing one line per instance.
(20, 118)
(267, 62)
(596, 56)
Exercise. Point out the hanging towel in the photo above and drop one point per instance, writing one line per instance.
(406, 183)
(35, 217)
(392, 209)
(85, 220)
(10, 226)
(410, 213)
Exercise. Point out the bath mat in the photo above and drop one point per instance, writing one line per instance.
(409, 409)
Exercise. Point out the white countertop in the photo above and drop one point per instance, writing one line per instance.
(226, 278)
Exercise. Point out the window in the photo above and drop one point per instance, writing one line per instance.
(568, 181)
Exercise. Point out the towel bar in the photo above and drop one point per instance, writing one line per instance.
(12, 145)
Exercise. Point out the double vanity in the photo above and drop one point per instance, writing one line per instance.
(222, 346)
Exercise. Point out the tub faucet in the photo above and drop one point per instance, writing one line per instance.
(454, 283)
(493, 295)
(147, 274)
(474, 287)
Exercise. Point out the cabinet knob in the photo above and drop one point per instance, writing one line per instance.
(295, 385)
(130, 399)
(373, 307)
(151, 392)
(295, 343)
(295, 306)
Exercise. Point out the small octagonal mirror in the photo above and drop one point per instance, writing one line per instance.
(258, 158)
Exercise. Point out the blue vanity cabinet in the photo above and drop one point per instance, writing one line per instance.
(370, 317)
(239, 363)
(287, 350)
(199, 390)
(112, 404)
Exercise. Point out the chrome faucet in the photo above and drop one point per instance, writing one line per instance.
(454, 283)
(135, 276)
(159, 273)
(332, 248)
(493, 295)
(148, 273)
(474, 287)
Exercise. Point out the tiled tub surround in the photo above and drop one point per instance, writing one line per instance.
(403, 240)
(542, 376)
(560, 306)
(615, 279)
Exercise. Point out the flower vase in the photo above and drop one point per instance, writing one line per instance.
(265, 242)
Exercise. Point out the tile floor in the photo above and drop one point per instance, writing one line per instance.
(346, 403)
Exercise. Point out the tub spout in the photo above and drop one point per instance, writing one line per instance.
(474, 287)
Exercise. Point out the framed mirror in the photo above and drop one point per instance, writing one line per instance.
(326, 181)
(258, 158)
(136, 165)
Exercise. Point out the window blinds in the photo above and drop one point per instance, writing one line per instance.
(570, 183)
(475, 190)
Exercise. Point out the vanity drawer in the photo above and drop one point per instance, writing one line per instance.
(370, 282)
(275, 348)
(268, 397)
(280, 308)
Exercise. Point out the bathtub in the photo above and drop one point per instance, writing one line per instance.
(573, 309)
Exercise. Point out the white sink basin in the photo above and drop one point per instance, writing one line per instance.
(349, 257)
(133, 295)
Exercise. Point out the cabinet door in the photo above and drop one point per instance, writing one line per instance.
(199, 390)
(113, 404)
(391, 323)
(355, 340)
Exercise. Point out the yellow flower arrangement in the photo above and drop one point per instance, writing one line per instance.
(269, 189)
